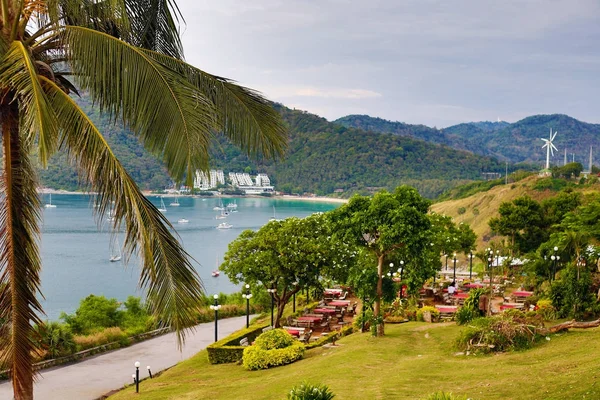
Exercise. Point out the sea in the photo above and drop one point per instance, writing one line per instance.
(76, 249)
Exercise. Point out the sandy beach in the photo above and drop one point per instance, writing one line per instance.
(148, 193)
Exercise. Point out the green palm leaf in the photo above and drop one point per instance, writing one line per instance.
(171, 117)
(19, 76)
(174, 289)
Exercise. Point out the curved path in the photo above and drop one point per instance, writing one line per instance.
(98, 375)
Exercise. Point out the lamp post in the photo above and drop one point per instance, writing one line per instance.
(149, 371)
(272, 293)
(498, 258)
(401, 269)
(216, 307)
(137, 376)
(294, 295)
(471, 265)
(446, 255)
(247, 296)
(454, 274)
(555, 259)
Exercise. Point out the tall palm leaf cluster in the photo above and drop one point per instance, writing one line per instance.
(127, 56)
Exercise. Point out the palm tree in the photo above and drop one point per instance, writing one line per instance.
(127, 56)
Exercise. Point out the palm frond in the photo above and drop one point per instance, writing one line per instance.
(171, 117)
(244, 115)
(18, 74)
(154, 26)
(19, 254)
(174, 289)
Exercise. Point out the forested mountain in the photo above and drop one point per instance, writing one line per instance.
(322, 157)
(517, 142)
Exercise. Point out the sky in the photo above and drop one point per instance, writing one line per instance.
(432, 62)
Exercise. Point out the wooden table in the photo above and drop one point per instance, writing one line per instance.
(506, 306)
(324, 311)
(339, 303)
(310, 321)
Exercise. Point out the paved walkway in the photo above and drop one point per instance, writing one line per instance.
(98, 375)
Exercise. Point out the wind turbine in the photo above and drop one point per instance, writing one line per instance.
(550, 147)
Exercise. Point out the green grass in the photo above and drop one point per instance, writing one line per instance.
(410, 362)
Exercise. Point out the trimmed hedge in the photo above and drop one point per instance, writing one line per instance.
(274, 339)
(228, 350)
(257, 357)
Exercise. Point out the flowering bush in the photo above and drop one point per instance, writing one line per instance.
(308, 391)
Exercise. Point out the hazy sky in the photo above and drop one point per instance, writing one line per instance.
(435, 62)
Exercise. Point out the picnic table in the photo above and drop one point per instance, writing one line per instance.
(506, 306)
(519, 296)
(446, 309)
(339, 303)
(324, 311)
(474, 285)
(293, 332)
(331, 294)
(309, 320)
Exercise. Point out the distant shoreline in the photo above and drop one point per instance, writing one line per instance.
(150, 194)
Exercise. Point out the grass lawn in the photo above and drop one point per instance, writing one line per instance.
(410, 362)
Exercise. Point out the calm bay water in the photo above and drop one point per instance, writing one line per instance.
(75, 250)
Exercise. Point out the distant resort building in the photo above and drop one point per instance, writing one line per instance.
(240, 180)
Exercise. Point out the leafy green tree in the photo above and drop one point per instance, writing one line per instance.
(94, 313)
(383, 224)
(521, 221)
(127, 55)
(287, 256)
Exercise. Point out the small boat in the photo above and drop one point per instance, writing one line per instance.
(223, 215)
(182, 221)
(215, 273)
(224, 225)
(115, 249)
(162, 208)
(50, 205)
(232, 205)
(274, 218)
(175, 203)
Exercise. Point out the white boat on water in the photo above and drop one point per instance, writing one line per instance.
(224, 225)
(162, 207)
(182, 221)
(115, 248)
(274, 218)
(50, 205)
(232, 206)
(175, 203)
(223, 215)
(215, 273)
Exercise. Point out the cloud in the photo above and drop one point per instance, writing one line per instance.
(336, 93)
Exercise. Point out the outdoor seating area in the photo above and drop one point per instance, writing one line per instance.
(333, 312)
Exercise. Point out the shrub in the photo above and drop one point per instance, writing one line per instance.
(55, 339)
(228, 350)
(546, 310)
(465, 315)
(504, 332)
(470, 309)
(256, 357)
(393, 319)
(274, 339)
(444, 396)
(435, 313)
(94, 314)
(308, 391)
(105, 336)
(461, 210)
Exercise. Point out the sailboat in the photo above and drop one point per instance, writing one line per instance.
(175, 203)
(162, 208)
(223, 215)
(224, 225)
(219, 207)
(183, 221)
(216, 272)
(274, 218)
(50, 205)
(115, 248)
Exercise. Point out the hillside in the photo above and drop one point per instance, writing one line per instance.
(476, 210)
(322, 157)
(518, 142)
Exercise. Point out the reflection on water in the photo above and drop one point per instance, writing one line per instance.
(75, 249)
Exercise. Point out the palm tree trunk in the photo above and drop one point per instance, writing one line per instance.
(19, 257)
(377, 308)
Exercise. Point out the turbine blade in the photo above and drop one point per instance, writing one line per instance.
(553, 136)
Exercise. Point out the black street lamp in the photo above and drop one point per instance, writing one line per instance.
(498, 259)
(272, 293)
(454, 274)
(446, 255)
(137, 376)
(216, 307)
(555, 259)
(471, 265)
(149, 371)
(294, 295)
(247, 296)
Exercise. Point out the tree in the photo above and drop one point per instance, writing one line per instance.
(287, 256)
(522, 221)
(383, 224)
(127, 55)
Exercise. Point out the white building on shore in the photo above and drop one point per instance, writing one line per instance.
(240, 180)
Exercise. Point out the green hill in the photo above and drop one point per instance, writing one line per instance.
(518, 142)
(322, 157)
